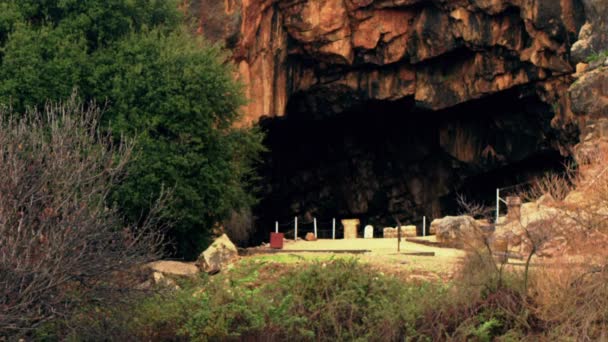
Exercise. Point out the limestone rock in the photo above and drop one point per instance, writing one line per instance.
(456, 231)
(160, 279)
(578, 198)
(589, 95)
(593, 36)
(174, 268)
(219, 255)
(542, 223)
(406, 231)
(310, 237)
(442, 53)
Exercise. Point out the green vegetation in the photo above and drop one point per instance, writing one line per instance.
(598, 56)
(340, 299)
(164, 87)
(330, 300)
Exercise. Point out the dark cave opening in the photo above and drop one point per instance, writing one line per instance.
(387, 159)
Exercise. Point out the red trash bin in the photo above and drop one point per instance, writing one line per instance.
(276, 240)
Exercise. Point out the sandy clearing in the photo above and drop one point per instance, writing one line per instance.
(384, 255)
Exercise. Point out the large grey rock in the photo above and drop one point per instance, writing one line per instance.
(582, 49)
(589, 94)
(164, 273)
(219, 255)
(593, 36)
(456, 231)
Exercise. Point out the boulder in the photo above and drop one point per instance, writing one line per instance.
(310, 237)
(589, 94)
(161, 280)
(164, 273)
(541, 223)
(456, 231)
(218, 256)
(174, 268)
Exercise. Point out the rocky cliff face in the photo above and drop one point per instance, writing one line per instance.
(589, 94)
(377, 108)
(329, 55)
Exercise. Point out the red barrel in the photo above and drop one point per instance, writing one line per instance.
(276, 240)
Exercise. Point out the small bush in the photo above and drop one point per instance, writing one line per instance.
(61, 247)
(598, 56)
(339, 299)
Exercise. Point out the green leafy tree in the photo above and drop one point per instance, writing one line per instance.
(170, 90)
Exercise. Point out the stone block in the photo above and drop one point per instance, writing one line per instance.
(350, 228)
(369, 232)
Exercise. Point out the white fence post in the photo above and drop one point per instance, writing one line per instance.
(333, 229)
(315, 220)
(498, 200)
(423, 226)
(295, 237)
(497, 205)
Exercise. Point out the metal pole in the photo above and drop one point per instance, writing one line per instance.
(315, 219)
(423, 225)
(399, 237)
(296, 230)
(276, 227)
(398, 233)
(333, 229)
(497, 205)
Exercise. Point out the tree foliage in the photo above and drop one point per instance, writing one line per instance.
(170, 90)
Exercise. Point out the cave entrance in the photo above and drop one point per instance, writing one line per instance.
(386, 159)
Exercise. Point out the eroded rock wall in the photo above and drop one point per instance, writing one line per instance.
(588, 95)
(441, 53)
(392, 107)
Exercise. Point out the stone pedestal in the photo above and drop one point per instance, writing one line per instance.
(368, 233)
(350, 228)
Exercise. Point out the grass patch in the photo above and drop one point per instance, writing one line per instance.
(336, 299)
(291, 258)
(287, 297)
(598, 56)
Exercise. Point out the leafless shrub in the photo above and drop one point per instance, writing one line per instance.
(566, 295)
(557, 185)
(572, 298)
(572, 295)
(61, 247)
(473, 209)
(481, 266)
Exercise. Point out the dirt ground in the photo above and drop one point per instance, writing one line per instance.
(383, 256)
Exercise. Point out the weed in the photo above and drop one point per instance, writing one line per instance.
(597, 56)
